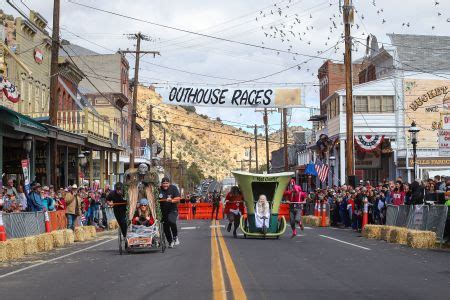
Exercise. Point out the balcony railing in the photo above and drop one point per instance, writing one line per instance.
(139, 153)
(81, 122)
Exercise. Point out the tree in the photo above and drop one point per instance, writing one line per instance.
(189, 108)
(194, 174)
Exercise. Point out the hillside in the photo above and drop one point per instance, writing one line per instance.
(277, 135)
(216, 147)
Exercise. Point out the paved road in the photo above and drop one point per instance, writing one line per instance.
(323, 263)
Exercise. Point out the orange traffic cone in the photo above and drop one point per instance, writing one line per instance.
(48, 228)
(2, 229)
(324, 215)
(365, 218)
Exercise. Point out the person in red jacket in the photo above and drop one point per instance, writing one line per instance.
(142, 216)
(398, 195)
(234, 208)
(296, 198)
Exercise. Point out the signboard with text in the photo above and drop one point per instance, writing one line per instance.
(232, 97)
(444, 142)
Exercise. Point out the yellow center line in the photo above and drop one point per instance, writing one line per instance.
(218, 283)
(235, 281)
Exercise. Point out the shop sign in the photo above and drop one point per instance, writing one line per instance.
(26, 174)
(368, 160)
(431, 161)
(444, 142)
(38, 55)
(228, 97)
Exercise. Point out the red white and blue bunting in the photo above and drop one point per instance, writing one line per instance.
(9, 90)
(369, 142)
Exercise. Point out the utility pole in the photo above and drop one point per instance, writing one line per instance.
(164, 141)
(255, 130)
(138, 36)
(286, 162)
(53, 106)
(348, 14)
(150, 125)
(250, 160)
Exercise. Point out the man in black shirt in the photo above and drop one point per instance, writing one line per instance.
(169, 196)
(115, 198)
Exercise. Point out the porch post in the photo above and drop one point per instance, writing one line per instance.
(117, 166)
(102, 168)
(110, 168)
(342, 160)
(66, 166)
(47, 163)
(91, 168)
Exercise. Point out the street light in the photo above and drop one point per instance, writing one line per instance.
(332, 160)
(414, 130)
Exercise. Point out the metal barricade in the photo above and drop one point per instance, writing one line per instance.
(436, 219)
(402, 217)
(391, 215)
(417, 218)
(24, 224)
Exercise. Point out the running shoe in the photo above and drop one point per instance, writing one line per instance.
(294, 233)
(176, 241)
(171, 244)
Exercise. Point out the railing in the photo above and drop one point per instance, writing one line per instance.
(81, 122)
(140, 153)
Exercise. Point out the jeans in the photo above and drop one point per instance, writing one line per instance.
(295, 216)
(71, 221)
(235, 219)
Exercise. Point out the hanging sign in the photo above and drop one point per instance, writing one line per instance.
(9, 90)
(444, 142)
(38, 55)
(26, 174)
(368, 142)
(227, 97)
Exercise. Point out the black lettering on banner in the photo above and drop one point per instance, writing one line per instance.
(244, 97)
(192, 95)
(179, 95)
(206, 98)
(215, 94)
(172, 94)
(187, 94)
(199, 97)
(237, 94)
(251, 99)
(258, 96)
(267, 94)
(222, 96)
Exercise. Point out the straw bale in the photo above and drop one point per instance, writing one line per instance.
(69, 237)
(58, 238)
(421, 239)
(398, 235)
(90, 232)
(385, 232)
(44, 242)
(15, 249)
(93, 231)
(112, 224)
(305, 220)
(315, 221)
(80, 235)
(30, 245)
(371, 231)
(3, 256)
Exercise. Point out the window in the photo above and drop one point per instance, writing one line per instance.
(387, 104)
(375, 104)
(360, 103)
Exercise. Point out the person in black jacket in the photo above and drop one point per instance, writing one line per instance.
(417, 193)
(116, 199)
(169, 195)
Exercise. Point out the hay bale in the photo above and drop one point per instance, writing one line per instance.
(398, 235)
(421, 239)
(315, 221)
(44, 242)
(92, 231)
(371, 231)
(112, 225)
(15, 249)
(3, 256)
(80, 235)
(385, 233)
(30, 245)
(69, 237)
(305, 220)
(87, 233)
(58, 238)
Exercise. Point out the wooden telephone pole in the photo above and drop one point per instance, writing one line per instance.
(53, 106)
(255, 131)
(138, 36)
(286, 162)
(348, 13)
(150, 126)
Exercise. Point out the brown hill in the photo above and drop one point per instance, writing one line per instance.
(216, 147)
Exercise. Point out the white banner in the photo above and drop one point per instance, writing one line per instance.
(444, 142)
(239, 98)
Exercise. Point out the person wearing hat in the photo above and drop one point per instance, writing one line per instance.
(119, 204)
(73, 206)
(169, 196)
(34, 198)
(142, 216)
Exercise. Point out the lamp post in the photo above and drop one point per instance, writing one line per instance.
(332, 160)
(414, 130)
(82, 161)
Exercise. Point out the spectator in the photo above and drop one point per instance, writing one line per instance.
(72, 206)
(22, 198)
(398, 195)
(10, 189)
(34, 198)
(417, 193)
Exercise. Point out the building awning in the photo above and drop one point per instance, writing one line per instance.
(21, 122)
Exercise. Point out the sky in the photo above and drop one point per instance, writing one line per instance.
(311, 29)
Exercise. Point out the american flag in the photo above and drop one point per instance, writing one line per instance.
(322, 171)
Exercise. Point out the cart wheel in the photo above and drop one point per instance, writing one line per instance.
(120, 241)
